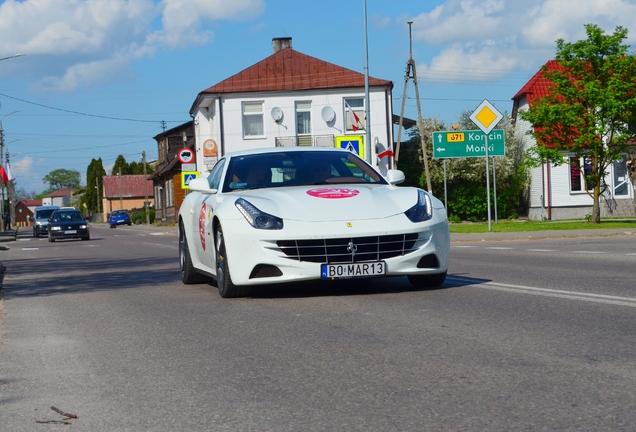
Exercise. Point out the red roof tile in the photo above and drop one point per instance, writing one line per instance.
(61, 193)
(291, 70)
(132, 186)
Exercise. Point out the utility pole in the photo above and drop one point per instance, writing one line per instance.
(411, 73)
(97, 197)
(121, 198)
(11, 195)
(143, 157)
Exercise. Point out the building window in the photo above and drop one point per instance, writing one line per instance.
(253, 119)
(169, 193)
(621, 178)
(354, 106)
(580, 168)
(303, 123)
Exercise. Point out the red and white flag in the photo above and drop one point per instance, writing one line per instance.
(353, 118)
(5, 174)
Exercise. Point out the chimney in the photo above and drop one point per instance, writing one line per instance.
(281, 43)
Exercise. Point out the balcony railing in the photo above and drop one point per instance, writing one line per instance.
(307, 141)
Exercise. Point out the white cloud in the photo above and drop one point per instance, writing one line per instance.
(182, 18)
(484, 40)
(74, 43)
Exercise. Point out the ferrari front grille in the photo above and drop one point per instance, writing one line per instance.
(356, 249)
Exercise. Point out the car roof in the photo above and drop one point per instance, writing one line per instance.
(48, 207)
(268, 150)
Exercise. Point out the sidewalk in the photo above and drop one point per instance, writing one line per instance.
(536, 235)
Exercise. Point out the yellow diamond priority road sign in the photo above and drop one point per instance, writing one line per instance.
(486, 116)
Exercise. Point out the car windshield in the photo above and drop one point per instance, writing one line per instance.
(44, 214)
(67, 216)
(297, 168)
(118, 213)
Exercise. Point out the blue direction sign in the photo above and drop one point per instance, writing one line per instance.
(470, 143)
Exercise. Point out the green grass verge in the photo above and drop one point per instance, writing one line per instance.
(522, 226)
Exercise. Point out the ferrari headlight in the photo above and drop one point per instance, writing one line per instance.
(257, 218)
(423, 210)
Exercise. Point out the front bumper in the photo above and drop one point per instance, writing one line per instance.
(249, 249)
(66, 234)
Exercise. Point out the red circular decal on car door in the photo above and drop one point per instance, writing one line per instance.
(202, 226)
(333, 193)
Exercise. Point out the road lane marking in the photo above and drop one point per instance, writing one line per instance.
(546, 292)
(30, 248)
(161, 245)
(499, 248)
(541, 250)
(590, 252)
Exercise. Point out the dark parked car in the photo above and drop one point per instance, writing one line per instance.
(119, 217)
(68, 223)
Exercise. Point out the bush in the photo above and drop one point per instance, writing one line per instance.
(139, 216)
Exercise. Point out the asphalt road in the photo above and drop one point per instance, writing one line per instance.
(525, 335)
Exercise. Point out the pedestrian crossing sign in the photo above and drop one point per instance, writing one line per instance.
(187, 177)
(355, 144)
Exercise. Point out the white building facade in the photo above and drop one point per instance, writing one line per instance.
(291, 99)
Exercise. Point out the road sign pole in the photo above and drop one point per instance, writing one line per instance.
(494, 185)
(488, 185)
(445, 190)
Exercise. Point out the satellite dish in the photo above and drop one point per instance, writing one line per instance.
(328, 114)
(277, 114)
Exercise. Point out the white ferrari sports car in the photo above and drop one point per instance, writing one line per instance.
(289, 214)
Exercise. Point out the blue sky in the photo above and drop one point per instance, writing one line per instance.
(100, 76)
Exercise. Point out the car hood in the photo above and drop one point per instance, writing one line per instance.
(331, 203)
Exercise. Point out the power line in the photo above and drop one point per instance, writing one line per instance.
(80, 113)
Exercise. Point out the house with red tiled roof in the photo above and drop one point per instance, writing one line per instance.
(61, 197)
(292, 99)
(24, 209)
(127, 192)
(558, 192)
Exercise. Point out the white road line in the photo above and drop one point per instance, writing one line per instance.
(467, 246)
(573, 295)
(499, 248)
(30, 248)
(161, 245)
(590, 252)
(541, 250)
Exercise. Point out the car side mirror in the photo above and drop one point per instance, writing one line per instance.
(395, 176)
(201, 184)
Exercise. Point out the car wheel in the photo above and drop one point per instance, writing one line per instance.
(112, 226)
(88, 237)
(129, 224)
(51, 239)
(35, 234)
(188, 274)
(427, 281)
(223, 279)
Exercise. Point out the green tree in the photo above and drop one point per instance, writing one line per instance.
(120, 163)
(94, 188)
(466, 177)
(589, 107)
(62, 178)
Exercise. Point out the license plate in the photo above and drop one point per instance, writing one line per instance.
(334, 271)
(70, 232)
